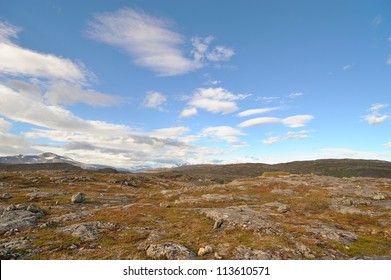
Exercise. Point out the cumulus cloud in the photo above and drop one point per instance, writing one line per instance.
(18, 61)
(153, 42)
(155, 100)
(257, 111)
(215, 100)
(224, 133)
(375, 117)
(188, 112)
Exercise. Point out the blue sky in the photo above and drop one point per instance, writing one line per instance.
(160, 83)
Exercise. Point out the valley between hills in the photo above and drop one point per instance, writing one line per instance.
(328, 209)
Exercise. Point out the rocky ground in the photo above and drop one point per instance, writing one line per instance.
(92, 215)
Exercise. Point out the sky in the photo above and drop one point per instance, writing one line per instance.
(165, 83)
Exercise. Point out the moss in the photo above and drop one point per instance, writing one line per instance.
(370, 246)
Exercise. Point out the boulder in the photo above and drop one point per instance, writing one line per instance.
(7, 195)
(78, 198)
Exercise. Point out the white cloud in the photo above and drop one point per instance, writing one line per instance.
(155, 100)
(8, 31)
(17, 61)
(17, 107)
(388, 144)
(389, 59)
(375, 117)
(297, 121)
(171, 132)
(271, 140)
(215, 100)
(295, 94)
(290, 135)
(67, 94)
(293, 121)
(257, 111)
(151, 41)
(220, 53)
(268, 99)
(188, 112)
(259, 121)
(4, 125)
(224, 133)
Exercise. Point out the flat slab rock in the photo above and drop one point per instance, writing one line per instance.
(243, 217)
(86, 231)
(333, 233)
(17, 219)
(244, 253)
(170, 251)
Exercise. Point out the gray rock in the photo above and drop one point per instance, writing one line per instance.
(78, 198)
(283, 191)
(243, 217)
(218, 223)
(35, 209)
(7, 195)
(333, 233)
(205, 250)
(17, 219)
(170, 251)
(379, 196)
(244, 253)
(72, 216)
(86, 231)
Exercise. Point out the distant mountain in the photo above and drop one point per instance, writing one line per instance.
(47, 158)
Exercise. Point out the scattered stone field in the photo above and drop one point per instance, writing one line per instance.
(91, 215)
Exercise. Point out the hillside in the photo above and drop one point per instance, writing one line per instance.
(324, 167)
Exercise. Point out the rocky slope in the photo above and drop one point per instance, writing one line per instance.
(53, 214)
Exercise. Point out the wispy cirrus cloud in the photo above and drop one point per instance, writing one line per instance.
(297, 121)
(70, 94)
(63, 80)
(375, 116)
(19, 61)
(293, 121)
(251, 112)
(153, 43)
(259, 121)
(377, 20)
(290, 135)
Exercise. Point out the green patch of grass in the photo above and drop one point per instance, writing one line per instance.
(370, 246)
